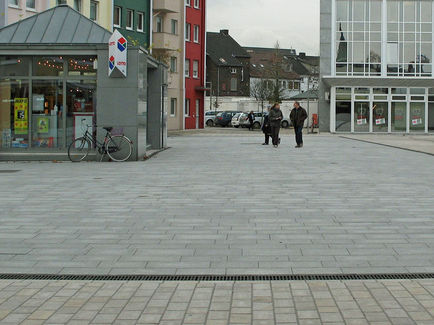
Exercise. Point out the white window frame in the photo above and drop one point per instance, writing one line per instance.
(196, 4)
(140, 19)
(173, 64)
(119, 9)
(31, 8)
(196, 33)
(187, 68)
(195, 69)
(173, 106)
(187, 32)
(12, 5)
(130, 14)
(233, 70)
(187, 107)
(188, 3)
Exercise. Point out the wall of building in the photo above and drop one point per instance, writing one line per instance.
(10, 14)
(142, 6)
(325, 63)
(223, 75)
(171, 45)
(195, 52)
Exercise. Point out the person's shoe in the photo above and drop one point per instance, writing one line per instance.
(275, 146)
(265, 144)
(297, 146)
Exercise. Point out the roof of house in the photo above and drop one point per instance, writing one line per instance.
(58, 25)
(223, 50)
(310, 94)
(293, 65)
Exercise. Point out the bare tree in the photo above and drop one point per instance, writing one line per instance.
(261, 92)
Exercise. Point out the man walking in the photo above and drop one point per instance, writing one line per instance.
(251, 118)
(298, 116)
(266, 128)
(275, 117)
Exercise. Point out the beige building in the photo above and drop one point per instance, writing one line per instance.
(100, 11)
(168, 45)
(12, 11)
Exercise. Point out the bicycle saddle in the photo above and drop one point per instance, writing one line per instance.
(108, 128)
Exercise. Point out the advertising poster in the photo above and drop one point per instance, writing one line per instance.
(43, 124)
(380, 121)
(21, 115)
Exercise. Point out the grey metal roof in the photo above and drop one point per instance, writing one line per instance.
(59, 25)
(310, 94)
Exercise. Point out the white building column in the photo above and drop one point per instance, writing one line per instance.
(333, 109)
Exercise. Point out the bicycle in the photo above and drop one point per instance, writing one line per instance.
(118, 147)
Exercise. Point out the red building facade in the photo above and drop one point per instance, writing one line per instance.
(195, 52)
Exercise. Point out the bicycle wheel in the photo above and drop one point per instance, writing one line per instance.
(119, 148)
(78, 149)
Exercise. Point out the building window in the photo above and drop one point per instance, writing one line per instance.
(187, 32)
(196, 34)
(173, 106)
(77, 5)
(196, 4)
(234, 84)
(358, 37)
(187, 107)
(188, 2)
(60, 2)
(409, 38)
(159, 22)
(130, 19)
(93, 10)
(195, 69)
(173, 64)
(30, 4)
(14, 3)
(233, 70)
(117, 14)
(174, 25)
(187, 68)
(140, 21)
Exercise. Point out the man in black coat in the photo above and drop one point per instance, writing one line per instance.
(298, 116)
(266, 128)
(275, 117)
(251, 117)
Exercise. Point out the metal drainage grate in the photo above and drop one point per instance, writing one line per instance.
(6, 171)
(219, 278)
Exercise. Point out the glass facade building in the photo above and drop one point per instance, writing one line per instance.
(380, 75)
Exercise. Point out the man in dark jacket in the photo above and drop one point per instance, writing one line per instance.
(266, 128)
(298, 116)
(251, 118)
(275, 116)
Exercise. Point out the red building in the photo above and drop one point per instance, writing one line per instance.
(195, 53)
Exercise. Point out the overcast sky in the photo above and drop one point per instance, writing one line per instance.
(294, 23)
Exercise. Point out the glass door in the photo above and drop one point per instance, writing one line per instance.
(380, 119)
(399, 117)
(361, 117)
(417, 117)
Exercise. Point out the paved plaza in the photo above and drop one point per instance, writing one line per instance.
(223, 205)
(258, 303)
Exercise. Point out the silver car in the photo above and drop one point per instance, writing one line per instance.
(210, 117)
(235, 122)
(259, 117)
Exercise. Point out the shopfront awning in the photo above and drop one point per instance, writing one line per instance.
(380, 82)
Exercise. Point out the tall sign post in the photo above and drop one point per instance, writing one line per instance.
(118, 58)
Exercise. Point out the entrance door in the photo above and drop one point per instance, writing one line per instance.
(417, 117)
(361, 117)
(380, 118)
(197, 113)
(399, 117)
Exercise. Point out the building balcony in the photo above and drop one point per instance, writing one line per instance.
(167, 6)
(165, 41)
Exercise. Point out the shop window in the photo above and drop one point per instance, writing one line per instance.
(81, 105)
(82, 66)
(47, 114)
(12, 66)
(48, 66)
(380, 117)
(361, 117)
(343, 116)
(117, 14)
(14, 114)
(399, 117)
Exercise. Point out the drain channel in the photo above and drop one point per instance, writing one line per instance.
(219, 278)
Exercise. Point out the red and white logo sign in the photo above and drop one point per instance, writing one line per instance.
(118, 54)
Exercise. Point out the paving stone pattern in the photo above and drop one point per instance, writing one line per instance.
(257, 303)
(224, 205)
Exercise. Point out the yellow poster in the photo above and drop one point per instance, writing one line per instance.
(21, 115)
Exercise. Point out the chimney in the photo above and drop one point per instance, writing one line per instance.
(224, 31)
(302, 55)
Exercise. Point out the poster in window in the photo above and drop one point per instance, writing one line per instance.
(21, 115)
(43, 124)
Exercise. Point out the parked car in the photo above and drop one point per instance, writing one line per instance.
(286, 123)
(224, 118)
(236, 120)
(245, 123)
(210, 117)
